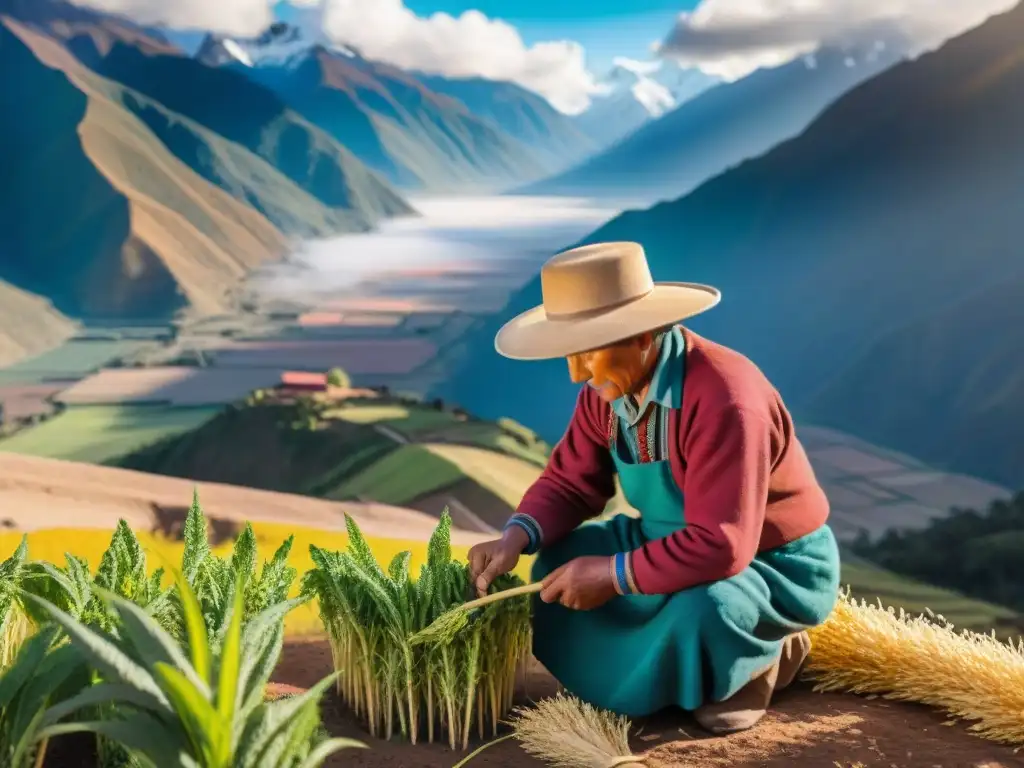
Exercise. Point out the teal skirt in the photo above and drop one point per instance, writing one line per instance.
(639, 654)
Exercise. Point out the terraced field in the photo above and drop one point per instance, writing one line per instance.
(389, 449)
(99, 434)
(72, 360)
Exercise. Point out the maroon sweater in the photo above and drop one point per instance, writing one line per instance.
(747, 483)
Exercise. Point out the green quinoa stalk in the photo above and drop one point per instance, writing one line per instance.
(392, 676)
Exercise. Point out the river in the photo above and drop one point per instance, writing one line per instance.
(460, 251)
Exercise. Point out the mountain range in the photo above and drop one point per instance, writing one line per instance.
(420, 132)
(869, 266)
(96, 213)
(721, 126)
(141, 181)
(636, 92)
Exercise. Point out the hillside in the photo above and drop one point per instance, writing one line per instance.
(253, 117)
(924, 357)
(88, 33)
(97, 216)
(554, 138)
(29, 324)
(84, 496)
(390, 450)
(718, 128)
(412, 135)
(898, 203)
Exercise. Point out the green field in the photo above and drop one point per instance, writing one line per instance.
(73, 359)
(101, 433)
(403, 475)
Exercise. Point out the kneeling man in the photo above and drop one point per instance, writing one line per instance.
(704, 599)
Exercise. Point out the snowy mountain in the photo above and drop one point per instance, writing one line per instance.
(279, 45)
(634, 92)
(419, 132)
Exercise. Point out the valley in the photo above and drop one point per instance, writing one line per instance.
(253, 258)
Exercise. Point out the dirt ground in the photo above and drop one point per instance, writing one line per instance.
(804, 729)
(76, 495)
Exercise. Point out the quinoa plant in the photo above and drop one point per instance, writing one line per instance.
(371, 616)
(15, 623)
(213, 578)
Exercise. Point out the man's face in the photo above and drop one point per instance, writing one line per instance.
(614, 371)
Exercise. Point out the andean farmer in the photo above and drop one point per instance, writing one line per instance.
(702, 602)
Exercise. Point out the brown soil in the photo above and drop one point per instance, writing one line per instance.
(804, 728)
(77, 495)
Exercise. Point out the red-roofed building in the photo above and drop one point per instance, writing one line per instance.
(301, 381)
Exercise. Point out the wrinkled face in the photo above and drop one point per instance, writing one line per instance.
(616, 370)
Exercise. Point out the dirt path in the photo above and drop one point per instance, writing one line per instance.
(804, 729)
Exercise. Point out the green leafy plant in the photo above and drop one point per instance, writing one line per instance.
(371, 616)
(38, 675)
(15, 623)
(122, 570)
(203, 707)
(213, 578)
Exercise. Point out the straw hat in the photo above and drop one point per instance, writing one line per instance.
(597, 295)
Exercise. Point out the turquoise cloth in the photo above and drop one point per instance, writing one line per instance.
(638, 654)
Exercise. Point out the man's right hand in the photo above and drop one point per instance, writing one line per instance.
(490, 559)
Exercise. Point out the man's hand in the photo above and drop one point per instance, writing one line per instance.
(581, 584)
(490, 559)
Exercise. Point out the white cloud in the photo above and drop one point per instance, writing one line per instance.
(231, 17)
(468, 45)
(731, 38)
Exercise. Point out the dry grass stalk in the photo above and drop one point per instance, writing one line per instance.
(873, 650)
(569, 733)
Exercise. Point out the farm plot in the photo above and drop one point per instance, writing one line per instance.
(366, 357)
(172, 385)
(72, 360)
(507, 477)
(408, 421)
(404, 474)
(97, 434)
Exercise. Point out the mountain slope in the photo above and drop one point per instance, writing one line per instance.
(722, 126)
(964, 358)
(415, 137)
(636, 92)
(553, 137)
(384, 449)
(245, 113)
(87, 33)
(29, 325)
(900, 201)
(96, 215)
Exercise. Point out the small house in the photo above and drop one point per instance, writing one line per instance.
(301, 381)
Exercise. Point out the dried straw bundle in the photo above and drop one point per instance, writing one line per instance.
(873, 650)
(569, 733)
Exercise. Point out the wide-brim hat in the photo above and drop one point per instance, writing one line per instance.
(597, 295)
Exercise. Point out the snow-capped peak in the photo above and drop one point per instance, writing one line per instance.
(657, 85)
(236, 52)
(280, 44)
